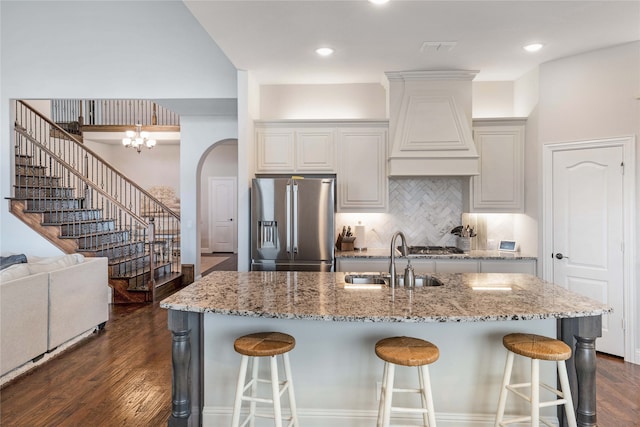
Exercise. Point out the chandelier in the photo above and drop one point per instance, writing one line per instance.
(138, 139)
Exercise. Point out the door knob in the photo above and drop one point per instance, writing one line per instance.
(560, 256)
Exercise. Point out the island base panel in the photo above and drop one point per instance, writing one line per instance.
(337, 374)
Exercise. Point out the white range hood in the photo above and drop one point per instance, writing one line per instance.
(430, 123)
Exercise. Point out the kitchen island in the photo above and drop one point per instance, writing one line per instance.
(336, 325)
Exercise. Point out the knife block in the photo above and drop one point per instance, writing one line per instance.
(345, 243)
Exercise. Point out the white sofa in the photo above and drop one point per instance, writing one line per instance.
(48, 302)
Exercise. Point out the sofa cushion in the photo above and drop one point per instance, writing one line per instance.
(14, 272)
(8, 261)
(45, 265)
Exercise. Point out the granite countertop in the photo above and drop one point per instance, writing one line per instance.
(464, 297)
(475, 254)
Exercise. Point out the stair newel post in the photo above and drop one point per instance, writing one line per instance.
(87, 193)
(80, 116)
(152, 262)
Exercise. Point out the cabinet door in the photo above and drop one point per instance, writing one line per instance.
(500, 185)
(456, 266)
(420, 266)
(362, 265)
(362, 174)
(508, 266)
(315, 150)
(275, 150)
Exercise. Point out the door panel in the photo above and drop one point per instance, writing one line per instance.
(269, 220)
(315, 220)
(222, 214)
(588, 232)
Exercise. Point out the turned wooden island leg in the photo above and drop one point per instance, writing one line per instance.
(186, 360)
(580, 334)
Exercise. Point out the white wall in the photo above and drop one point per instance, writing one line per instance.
(248, 111)
(492, 99)
(221, 161)
(197, 135)
(337, 101)
(149, 168)
(590, 96)
(46, 53)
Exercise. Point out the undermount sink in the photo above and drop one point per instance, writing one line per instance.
(382, 279)
(421, 280)
(364, 279)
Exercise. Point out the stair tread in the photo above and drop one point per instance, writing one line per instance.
(140, 271)
(43, 187)
(79, 222)
(120, 260)
(37, 199)
(93, 234)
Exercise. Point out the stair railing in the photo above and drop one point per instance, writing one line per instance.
(80, 178)
(73, 114)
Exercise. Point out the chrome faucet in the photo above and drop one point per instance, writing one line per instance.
(392, 261)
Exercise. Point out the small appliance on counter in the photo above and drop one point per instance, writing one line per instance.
(292, 224)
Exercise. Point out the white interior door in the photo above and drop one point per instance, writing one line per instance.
(222, 214)
(588, 232)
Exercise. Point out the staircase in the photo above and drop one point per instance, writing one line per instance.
(80, 203)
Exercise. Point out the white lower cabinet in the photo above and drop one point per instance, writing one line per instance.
(423, 266)
(457, 266)
(526, 266)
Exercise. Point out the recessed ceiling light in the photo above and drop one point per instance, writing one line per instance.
(324, 51)
(379, 1)
(533, 47)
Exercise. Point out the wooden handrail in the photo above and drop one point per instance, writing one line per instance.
(94, 154)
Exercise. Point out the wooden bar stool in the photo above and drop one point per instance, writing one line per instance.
(536, 347)
(258, 345)
(406, 351)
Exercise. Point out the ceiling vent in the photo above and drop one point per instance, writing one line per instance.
(430, 123)
(437, 46)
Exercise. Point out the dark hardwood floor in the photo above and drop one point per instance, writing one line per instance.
(122, 377)
(230, 264)
(618, 391)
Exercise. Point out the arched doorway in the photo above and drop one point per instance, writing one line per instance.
(218, 174)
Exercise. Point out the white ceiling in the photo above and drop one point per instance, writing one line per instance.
(276, 39)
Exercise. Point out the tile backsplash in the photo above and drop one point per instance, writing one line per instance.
(425, 209)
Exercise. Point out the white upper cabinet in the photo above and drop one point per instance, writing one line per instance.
(362, 174)
(315, 150)
(275, 150)
(303, 149)
(500, 185)
(356, 151)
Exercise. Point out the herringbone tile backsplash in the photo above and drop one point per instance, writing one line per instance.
(424, 209)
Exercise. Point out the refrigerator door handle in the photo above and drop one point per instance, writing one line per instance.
(295, 217)
(288, 213)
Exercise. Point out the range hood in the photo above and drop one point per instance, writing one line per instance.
(430, 123)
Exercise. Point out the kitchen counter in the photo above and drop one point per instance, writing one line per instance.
(475, 254)
(336, 326)
(325, 296)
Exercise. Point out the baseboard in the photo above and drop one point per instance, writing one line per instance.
(637, 358)
(217, 416)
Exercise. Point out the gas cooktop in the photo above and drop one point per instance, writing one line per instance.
(432, 250)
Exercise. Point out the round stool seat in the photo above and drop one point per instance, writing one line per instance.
(537, 347)
(264, 344)
(407, 351)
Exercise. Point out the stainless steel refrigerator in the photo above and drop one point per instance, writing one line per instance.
(292, 224)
